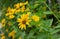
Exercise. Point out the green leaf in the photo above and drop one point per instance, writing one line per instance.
(42, 36)
(50, 22)
(48, 12)
(46, 24)
(23, 34)
(15, 28)
(57, 27)
(30, 35)
(55, 31)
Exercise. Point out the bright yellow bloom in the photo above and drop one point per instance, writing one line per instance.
(21, 4)
(11, 16)
(10, 13)
(3, 37)
(11, 34)
(7, 14)
(23, 9)
(17, 5)
(35, 18)
(3, 22)
(17, 10)
(23, 21)
(10, 10)
(26, 2)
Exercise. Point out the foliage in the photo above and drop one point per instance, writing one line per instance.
(29, 19)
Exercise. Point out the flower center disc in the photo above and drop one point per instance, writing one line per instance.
(24, 22)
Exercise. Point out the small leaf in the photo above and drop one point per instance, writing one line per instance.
(57, 26)
(30, 35)
(48, 12)
(55, 31)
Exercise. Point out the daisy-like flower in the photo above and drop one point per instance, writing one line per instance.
(11, 34)
(26, 2)
(17, 5)
(10, 11)
(35, 18)
(22, 8)
(21, 4)
(23, 21)
(11, 16)
(3, 22)
(18, 10)
(3, 37)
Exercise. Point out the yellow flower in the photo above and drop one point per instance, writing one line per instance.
(3, 37)
(7, 14)
(21, 4)
(26, 2)
(17, 10)
(11, 34)
(17, 5)
(11, 16)
(3, 22)
(23, 9)
(35, 18)
(23, 21)
(10, 10)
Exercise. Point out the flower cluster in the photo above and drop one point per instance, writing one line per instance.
(29, 19)
(25, 18)
(19, 7)
(21, 15)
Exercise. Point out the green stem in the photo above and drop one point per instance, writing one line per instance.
(51, 11)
